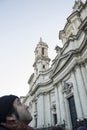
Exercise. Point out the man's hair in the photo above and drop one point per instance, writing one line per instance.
(13, 111)
(6, 106)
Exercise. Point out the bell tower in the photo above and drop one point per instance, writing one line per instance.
(41, 57)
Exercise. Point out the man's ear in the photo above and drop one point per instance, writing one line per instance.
(11, 117)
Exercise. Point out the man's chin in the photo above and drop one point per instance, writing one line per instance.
(28, 121)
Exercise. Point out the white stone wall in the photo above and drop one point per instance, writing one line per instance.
(40, 111)
(62, 105)
(47, 110)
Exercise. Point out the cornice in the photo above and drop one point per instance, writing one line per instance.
(41, 58)
(59, 70)
(71, 38)
(44, 91)
(68, 23)
(41, 85)
(68, 69)
(63, 73)
(46, 72)
(83, 26)
(58, 62)
(71, 54)
(79, 15)
(41, 73)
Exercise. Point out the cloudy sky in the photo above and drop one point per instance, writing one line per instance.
(22, 23)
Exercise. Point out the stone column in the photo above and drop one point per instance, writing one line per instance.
(57, 105)
(81, 90)
(84, 75)
(62, 105)
(68, 117)
(47, 110)
(40, 108)
(77, 97)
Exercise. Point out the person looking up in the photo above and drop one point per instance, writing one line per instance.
(13, 114)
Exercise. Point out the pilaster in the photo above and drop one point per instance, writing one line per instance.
(84, 75)
(81, 90)
(57, 105)
(77, 97)
(40, 106)
(47, 110)
(62, 106)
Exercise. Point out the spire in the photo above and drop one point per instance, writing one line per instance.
(42, 43)
(40, 39)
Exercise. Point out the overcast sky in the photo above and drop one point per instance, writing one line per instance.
(22, 23)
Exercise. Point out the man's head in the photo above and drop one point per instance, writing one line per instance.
(12, 109)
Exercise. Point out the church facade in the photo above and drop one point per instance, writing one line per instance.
(58, 94)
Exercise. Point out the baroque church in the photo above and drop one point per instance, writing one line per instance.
(58, 94)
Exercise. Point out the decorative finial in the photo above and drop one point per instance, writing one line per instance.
(78, 5)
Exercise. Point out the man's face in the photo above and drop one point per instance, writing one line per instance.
(22, 110)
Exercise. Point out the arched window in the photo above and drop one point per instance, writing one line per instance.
(42, 51)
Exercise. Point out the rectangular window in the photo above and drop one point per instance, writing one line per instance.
(42, 51)
(43, 66)
(55, 119)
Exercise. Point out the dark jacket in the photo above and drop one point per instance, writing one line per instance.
(3, 128)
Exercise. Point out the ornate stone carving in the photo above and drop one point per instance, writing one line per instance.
(53, 108)
(67, 87)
